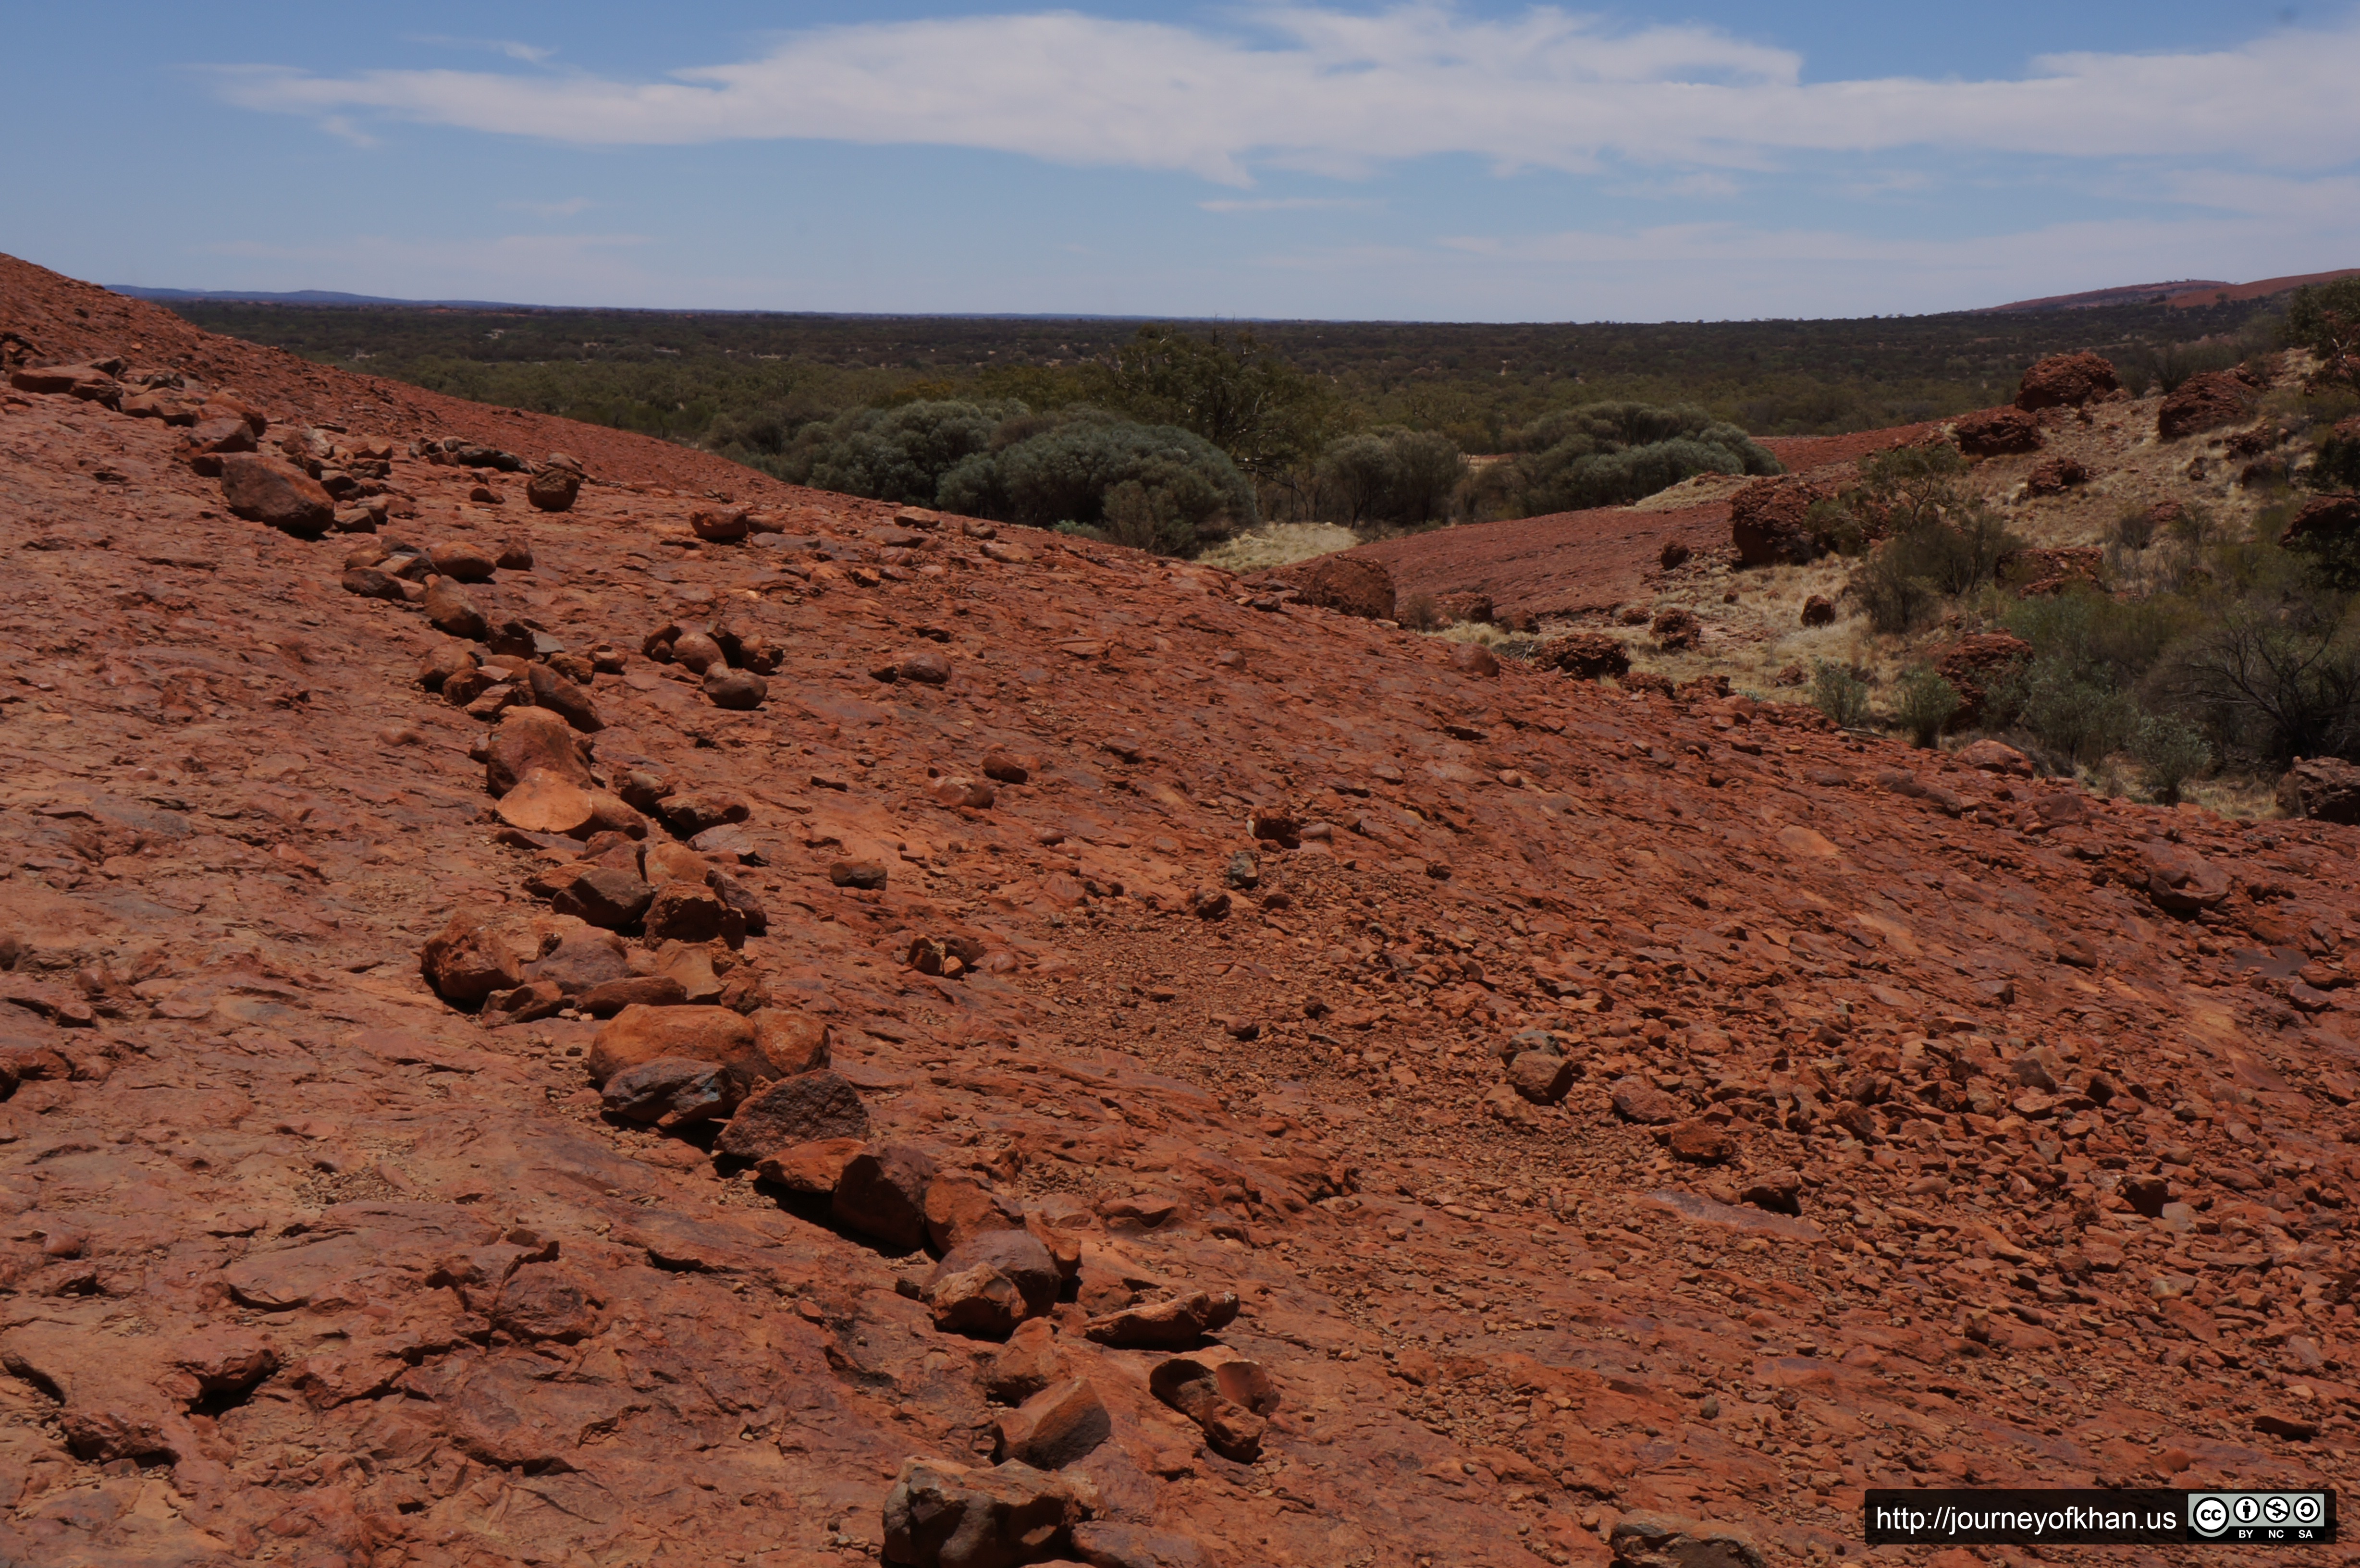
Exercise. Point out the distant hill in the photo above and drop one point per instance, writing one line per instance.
(2185, 294)
(295, 297)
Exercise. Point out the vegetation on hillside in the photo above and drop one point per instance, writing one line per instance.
(2197, 650)
(1610, 454)
(1370, 424)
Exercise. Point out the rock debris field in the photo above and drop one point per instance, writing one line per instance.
(567, 1004)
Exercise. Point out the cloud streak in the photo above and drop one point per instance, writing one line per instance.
(1339, 93)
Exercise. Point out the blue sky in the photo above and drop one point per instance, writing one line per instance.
(1429, 161)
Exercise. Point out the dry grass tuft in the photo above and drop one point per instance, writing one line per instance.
(1278, 544)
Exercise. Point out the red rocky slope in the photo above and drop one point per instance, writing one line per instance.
(1889, 1121)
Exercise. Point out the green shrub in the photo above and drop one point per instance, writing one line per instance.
(1893, 597)
(2275, 678)
(1838, 691)
(893, 454)
(1610, 454)
(1933, 555)
(1908, 484)
(2337, 466)
(1231, 391)
(1405, 478)
(2325, 319)
(2117, 640)
(2169, 365)
(2173, 751)
(1153, 486)
(2070, 712)
(1927, 703)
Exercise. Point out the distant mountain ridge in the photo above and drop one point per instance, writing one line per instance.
(2183, 294)
(299, 296)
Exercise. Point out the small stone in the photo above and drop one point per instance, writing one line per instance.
(1585, 655)
(639, 1034)
(812, 1168)
(969, 794)
(479, 952)
(368, 582)
(610, 997)
(692, 969)
(881, 1193)
(1700, 1142)
(690, 812)
(1778, 1192)
(1019, 1255)
(736, 690)
(1057, 1427)
(669, 1092)
(867, 874)
(722, 526)
(463, 561)
(562, 697)
(553, 489)
(1193, 1388)
(1676, 628)
(698, 654)
(790, 1041)
(1004, 768)
(681, 912)
(1994, 432)
(1175, 1323)
(266, 490)
(979, 1302)
(961, 1205)
(1244, 872)
(927, 666)
(1644, 1103)
(805, 1108)
(450, 611)
(940, 1515)
(1474, 659)
(1819, 610)
(1643, 1539)
(1540, 1077)
(666, 862)
(543, 802)
(1027, 1364)
(532, 740)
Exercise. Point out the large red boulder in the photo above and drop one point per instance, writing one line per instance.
(2324, 519)
(84, 381)
(267, 490)
(2207, 402)
(1995, 433)
(2067, 381)
(1769, 521)
(1971, 664)
(1585, 655)
(2321, 788)
(1352, 584)
(2055, 475)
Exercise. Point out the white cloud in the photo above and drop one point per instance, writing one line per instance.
(1340, 93)
(532, 54)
